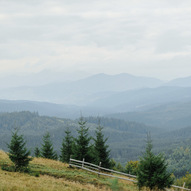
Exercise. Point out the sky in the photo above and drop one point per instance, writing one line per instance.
(139, 37)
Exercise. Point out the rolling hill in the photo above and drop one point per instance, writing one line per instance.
(48, 175)
(125, 139)
(143, 99)
(170, 116)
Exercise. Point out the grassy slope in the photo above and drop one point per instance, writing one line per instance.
(55, 175)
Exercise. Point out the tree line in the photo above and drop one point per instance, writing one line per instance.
(94, 150)
(83, 146)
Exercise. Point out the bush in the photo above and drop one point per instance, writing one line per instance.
(131, 167)
(186, 179)
(7, 167)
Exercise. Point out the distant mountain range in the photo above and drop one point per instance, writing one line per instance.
(181, 82)
(87, 90)
(80, 92)
(124, 96)
(142, 99)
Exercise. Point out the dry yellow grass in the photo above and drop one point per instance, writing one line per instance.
(11, 181)
(56, 176)
(3, 156)
(50, 163)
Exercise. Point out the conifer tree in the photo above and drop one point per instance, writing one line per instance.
(36, 152)
(47, 150)
(152, 170)
(66, 149)
(101, 149)
(81, 148)
(18, 153)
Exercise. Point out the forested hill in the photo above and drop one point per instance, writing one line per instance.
(171, 116)
(125, 139)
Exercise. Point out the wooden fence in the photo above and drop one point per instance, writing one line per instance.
(103, 171)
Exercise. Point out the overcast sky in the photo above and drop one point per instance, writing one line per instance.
(140, 37)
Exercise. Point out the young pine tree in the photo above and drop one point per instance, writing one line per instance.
(36, 152)
(47, 148)
(152, 170)
(66, 149)
(81, 148)
(101, 149)
(18, 153)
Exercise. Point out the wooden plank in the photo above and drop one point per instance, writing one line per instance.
(84, 162)
(109, 170)
(103, 173)
(117, 172)
(179, 187)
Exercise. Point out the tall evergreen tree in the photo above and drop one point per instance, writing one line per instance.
(152, 170)
(81, 148)
(47, 150)
(18, 153)
(66, 149)
(101, 149)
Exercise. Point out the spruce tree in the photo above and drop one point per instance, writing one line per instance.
(36, 152)
(101, 149)
(81, 148)
(152, 170)
(66, 149)
(18, 153)
(47, 150)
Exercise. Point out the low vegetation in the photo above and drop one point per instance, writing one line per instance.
(185, 180)
(49, 175)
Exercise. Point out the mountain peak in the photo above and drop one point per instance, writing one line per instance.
(182, 82)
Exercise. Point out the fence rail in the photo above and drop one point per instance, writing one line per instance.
(97, 169)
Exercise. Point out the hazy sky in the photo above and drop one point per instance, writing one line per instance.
(140, 37)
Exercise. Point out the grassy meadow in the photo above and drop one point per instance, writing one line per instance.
(50, 175)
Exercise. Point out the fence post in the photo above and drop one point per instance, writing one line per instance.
(83, 163)
(99, 168)
(183, 186)
(69, 162)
